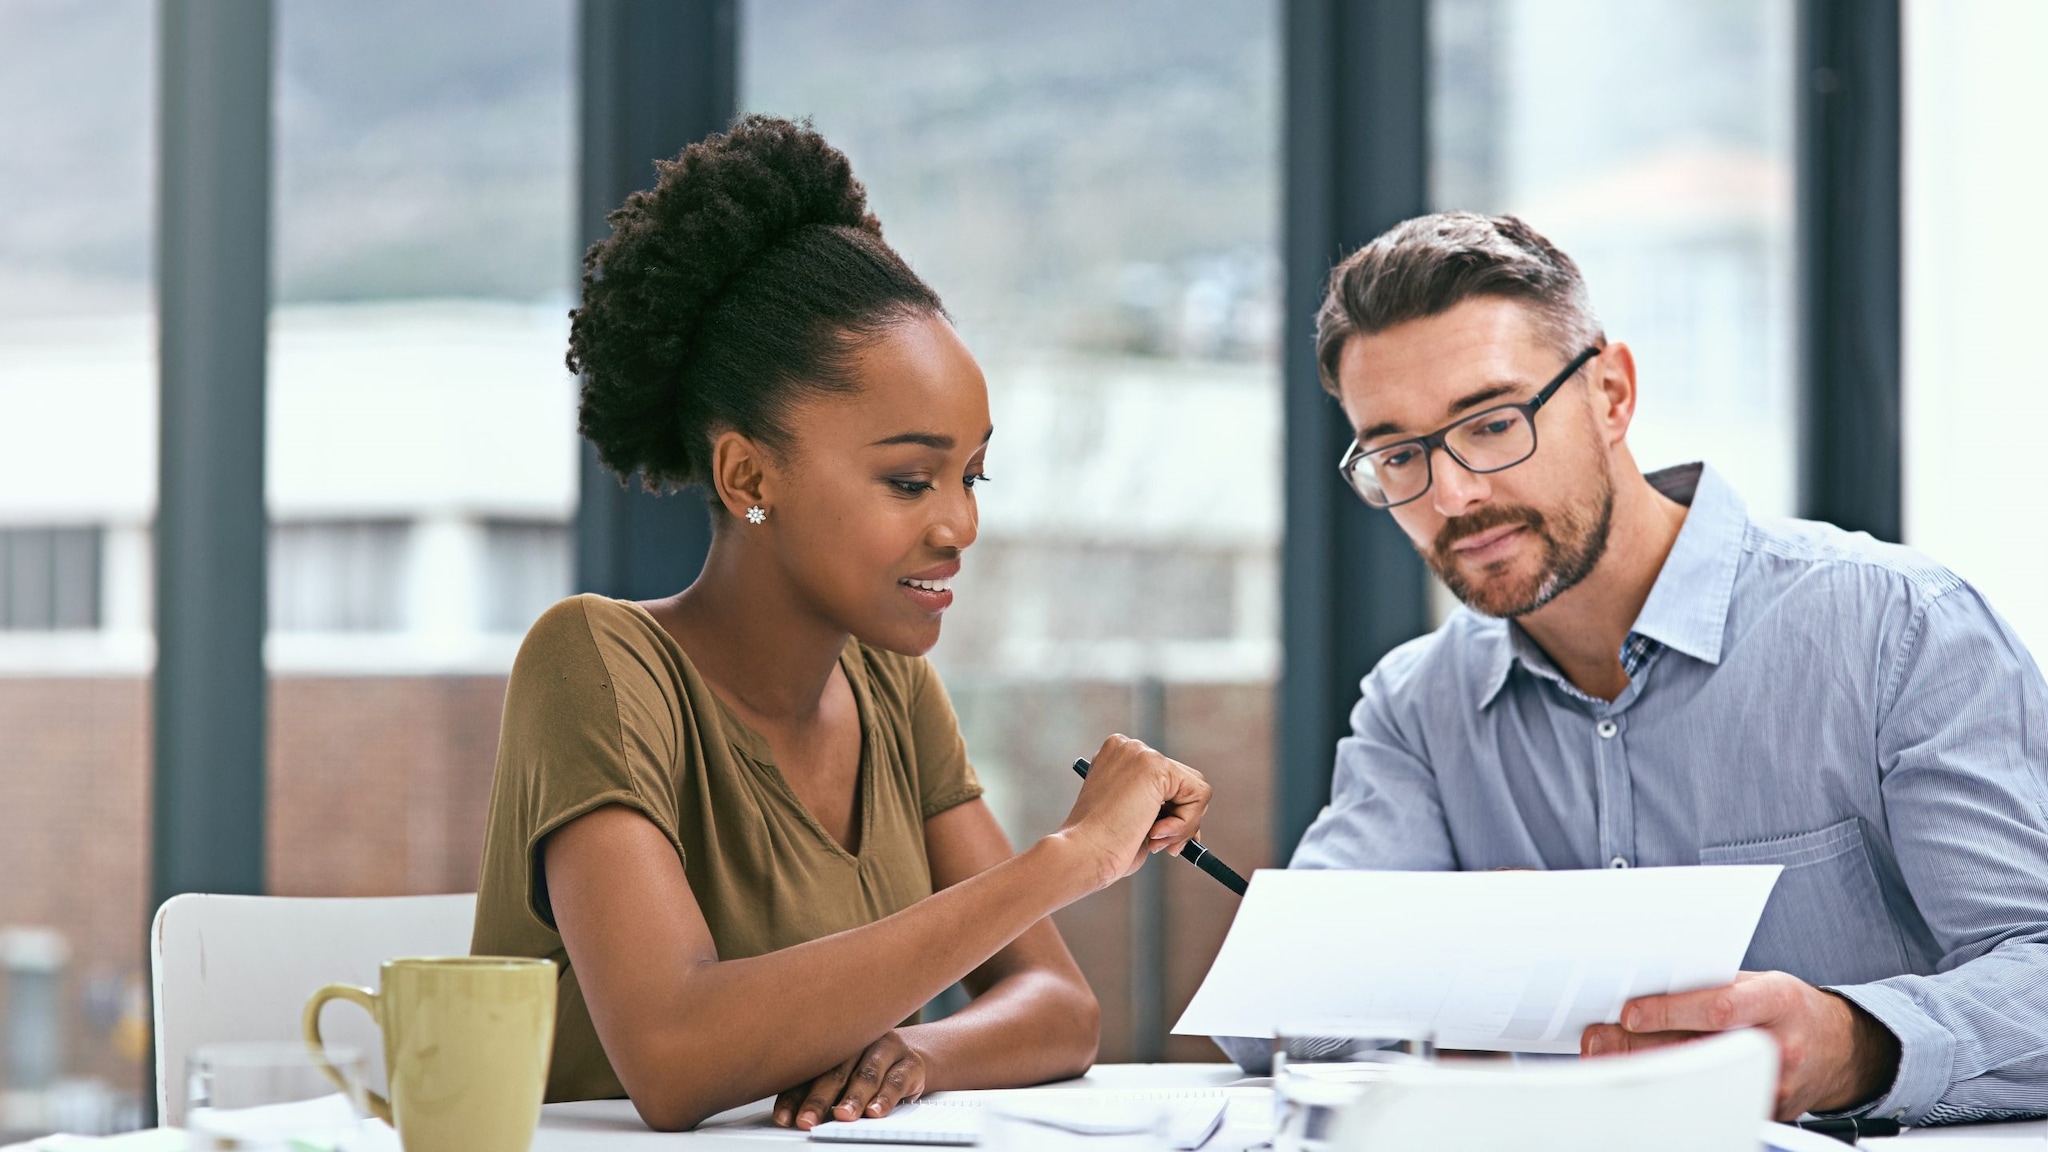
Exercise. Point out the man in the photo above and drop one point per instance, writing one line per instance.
(1646, 675)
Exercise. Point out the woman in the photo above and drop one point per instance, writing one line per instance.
(741, 818)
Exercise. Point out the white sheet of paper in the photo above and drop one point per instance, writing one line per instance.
(1503, 961)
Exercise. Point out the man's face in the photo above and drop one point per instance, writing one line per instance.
(1506, 543)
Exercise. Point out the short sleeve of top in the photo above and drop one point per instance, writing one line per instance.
(589, 721)
(603, 707)
(944, 777)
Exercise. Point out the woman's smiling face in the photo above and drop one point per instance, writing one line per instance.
(872, 502)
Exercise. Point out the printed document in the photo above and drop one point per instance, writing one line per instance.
(1503, 961)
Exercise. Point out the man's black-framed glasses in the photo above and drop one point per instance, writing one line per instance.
(1492, 440)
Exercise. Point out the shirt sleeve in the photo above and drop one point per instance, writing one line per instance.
(1253, 1056)
(589, 721)
(1384, 811)
(1963, 753)
(945, 778)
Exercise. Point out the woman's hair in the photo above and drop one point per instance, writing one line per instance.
(744, 280)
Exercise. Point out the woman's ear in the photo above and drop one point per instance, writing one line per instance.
(739, 473)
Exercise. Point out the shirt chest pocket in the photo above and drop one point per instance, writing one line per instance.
(1826, 921)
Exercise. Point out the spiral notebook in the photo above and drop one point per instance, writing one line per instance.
(957, 1118)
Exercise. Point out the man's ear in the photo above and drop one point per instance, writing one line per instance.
(1614, 390)
(740, 473)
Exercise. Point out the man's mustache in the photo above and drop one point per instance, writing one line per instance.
(1484, 520)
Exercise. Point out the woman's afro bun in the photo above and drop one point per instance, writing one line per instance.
(736, 281)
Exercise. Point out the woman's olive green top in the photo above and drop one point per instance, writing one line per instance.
(604, 708)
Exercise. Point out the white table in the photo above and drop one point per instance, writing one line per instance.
(605, 1125)
(609, 1125)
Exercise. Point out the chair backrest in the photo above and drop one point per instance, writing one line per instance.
(1708, 1096)
(228, 968)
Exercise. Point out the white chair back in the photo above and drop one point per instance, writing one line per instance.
(1709, 1096)
(228, 968)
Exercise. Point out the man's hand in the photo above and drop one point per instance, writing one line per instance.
(1832, 1054)
(887, 1073)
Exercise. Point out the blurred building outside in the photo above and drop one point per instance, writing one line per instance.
(1118, 283)
(1096, 197)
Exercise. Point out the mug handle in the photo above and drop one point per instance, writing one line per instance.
(367, 1001)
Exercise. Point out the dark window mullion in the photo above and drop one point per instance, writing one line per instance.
(1849, 251)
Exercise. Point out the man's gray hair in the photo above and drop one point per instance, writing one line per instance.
(1426, 266)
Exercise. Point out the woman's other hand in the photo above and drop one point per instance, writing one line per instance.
(863, 1086)
(1135, 802)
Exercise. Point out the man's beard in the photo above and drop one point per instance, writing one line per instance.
(1573, 539)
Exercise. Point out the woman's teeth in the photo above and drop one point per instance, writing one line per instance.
(929, 585)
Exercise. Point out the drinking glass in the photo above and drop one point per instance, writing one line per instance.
(273, 1098)
(1319, 1067)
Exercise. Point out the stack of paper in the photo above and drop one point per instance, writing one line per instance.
(1507, 961)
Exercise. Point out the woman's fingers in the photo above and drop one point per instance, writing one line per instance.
(903, 1083)
(1136, 802)
(867, 1078)
(871, 1083)
(818, 1097)
(786, 1105)
(1181, 817)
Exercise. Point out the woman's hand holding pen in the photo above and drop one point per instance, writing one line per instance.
(1135, 802)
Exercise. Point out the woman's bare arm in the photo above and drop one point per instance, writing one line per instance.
(1033, 1017)
(690, 1035)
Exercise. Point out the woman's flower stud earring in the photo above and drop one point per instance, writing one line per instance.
(756, 514)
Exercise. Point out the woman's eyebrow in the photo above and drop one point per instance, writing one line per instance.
(936, 440)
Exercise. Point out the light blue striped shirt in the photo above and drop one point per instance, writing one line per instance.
(1801, 696)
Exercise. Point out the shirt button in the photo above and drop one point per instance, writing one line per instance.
(1607, 729)
(1618, 862)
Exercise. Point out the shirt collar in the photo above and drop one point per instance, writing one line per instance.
(1688, 605)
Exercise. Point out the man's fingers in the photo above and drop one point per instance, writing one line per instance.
(1614, 1040)
(1601, 1039)
(1749, 1002)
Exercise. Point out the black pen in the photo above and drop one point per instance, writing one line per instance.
(1192, 852)
(1850, 1129)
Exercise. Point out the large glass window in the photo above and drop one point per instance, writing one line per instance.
(1975, 172)
(1093, 190)
(418, 402)
(77, 487)
(1651, 140)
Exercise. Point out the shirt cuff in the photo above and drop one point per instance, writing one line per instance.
(1252, 1055)
(1926, 1053)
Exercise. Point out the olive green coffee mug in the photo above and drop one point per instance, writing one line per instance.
(466, 1046)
